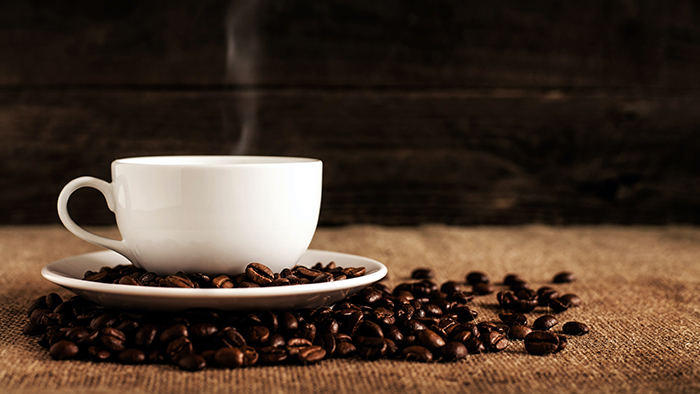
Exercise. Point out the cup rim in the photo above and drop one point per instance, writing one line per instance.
(214, 160)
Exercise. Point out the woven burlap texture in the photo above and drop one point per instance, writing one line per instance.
(640, 286)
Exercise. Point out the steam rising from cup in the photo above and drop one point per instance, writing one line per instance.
(239, 110)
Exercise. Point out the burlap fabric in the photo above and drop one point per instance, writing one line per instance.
(641, 288)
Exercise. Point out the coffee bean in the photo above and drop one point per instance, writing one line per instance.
(230, 337)
(451, 287)
(178, 281)
(476, 277)
(430, 339)
(295, 345)
(222, 282)
(228, 357)
(570, 299)
(271, 355)
(250, 356)
(474, 345)
(422, 273)
(541, 343)
(575, 328)
(344, 349)
(564, 277)
(482, 288)
(545, 322)
(192, 362)
(372, 348)
(178, 348)
(145, 335)
(354, 272)
(53, 300)
(63, 350)
(513, 319)
(97, 354)
(257, 335)
(545, 294)
(558, 305)
(173, 332)
(453, 351)
(132, 356)
(518, 332)
(511, 279)
(495, 341)
(311, 355)
(259, 273)
(417, 353)
(33, 329)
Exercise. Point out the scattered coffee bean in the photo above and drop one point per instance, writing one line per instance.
(518, 332)
(564, 277)
(575, 328)
(570, 299)
(475, 277)
(417, 321)
(541, 343)
(63, 350)
(453, 351)
(545, 322)
(422, 273)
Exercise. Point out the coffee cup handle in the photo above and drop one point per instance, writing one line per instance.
(106, 189)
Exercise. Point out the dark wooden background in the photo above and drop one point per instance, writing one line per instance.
(448, 111)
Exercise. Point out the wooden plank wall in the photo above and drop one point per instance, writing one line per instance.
(449, 111)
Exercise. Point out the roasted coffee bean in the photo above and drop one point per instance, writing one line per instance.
(474, 345)
(178, 348)
(98, 354)
(482, 288)
(324, 277)
(259, 273)
(570, 299)
(422, 273)
(475, 277)
(518, 332)
(127, 280)
(450, 287)
(178, 281)
(37, 303)
(145, 335)
(280, 282)
(63, 350)
(250, 356)
(512, 319)
(257, 335)
(511, 279)
(372, 348)
(294, 345)
(541, 343)
(464, 313)
(371, 329)
(353, 272)
(462, 336)
(370, 295)
(311, 355)
(270, 355)
(33, 329)
(486, 327)
(229, 357)
(417, 353)
(545, 322)
(229, 337)
(344, 349)
(102, 321)
(327, 342)
(192, 362)
(132, 356)
(558, 306)
(173, 332)
(430, 339)
(575, 328)
(287, 322)
(453, 351)
(564, 277)
(495, 341)
(222, 282)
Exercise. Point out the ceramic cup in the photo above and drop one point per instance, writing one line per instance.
(209, 214)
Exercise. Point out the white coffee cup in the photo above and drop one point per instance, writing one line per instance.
(209, 214)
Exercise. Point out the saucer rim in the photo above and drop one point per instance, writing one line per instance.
(50, 273)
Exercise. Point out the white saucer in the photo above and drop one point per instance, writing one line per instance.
(69, 272)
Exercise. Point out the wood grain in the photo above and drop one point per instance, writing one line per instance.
(340, 43)
(467, 157)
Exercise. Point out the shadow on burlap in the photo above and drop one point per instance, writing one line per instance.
(640, 286)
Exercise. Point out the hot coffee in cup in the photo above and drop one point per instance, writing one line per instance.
(209, 214)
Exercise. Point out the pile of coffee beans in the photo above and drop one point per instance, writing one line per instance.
(255, 275)
(418, 320)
